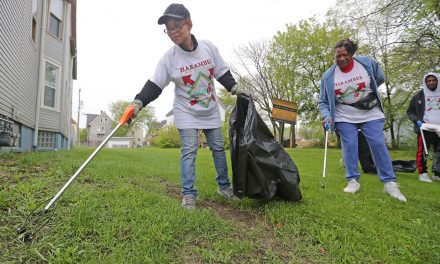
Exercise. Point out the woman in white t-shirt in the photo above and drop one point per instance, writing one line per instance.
(191, 65)
(348, 101)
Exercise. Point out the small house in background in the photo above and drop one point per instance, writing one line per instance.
(74, 133)
(98, 128)
(133, 139)
(120, 142)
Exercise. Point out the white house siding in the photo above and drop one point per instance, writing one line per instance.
(49, 120)
(66, 96)
(120, 142)
(18, 62)
(19, 70)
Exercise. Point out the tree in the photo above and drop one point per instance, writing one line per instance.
(228, 101)
(298, 58)
(144, 118)
(82, 134)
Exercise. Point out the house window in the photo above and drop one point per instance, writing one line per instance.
(50, 85)
(56, 17)
(34, 20)
(46, 139)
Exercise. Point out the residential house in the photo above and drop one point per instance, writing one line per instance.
(98, 128)
(133, 139)
(37, 69)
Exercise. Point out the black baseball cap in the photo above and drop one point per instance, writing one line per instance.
(177, 11)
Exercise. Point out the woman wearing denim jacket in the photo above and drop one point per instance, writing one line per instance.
(348, 101)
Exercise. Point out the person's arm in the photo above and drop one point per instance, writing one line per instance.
(411, 111)
(227, 80)
(379, 75)
(324, 104)
(149, 93)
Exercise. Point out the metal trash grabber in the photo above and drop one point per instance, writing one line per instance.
(419, 123)
(39, 218)
(324, 172)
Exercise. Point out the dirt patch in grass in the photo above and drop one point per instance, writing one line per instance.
(9, 169)
(253, 227)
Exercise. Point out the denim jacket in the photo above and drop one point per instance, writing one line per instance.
(327, 100)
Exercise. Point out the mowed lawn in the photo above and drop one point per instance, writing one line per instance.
(125, 208)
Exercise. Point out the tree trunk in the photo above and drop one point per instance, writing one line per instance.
(390, 116)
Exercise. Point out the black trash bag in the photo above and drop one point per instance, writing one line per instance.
(260, 166)
(404, 165)
(367, 163)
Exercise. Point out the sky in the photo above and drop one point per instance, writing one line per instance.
(119, 42)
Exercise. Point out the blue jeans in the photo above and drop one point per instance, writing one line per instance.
(373, 132)
(189, 140)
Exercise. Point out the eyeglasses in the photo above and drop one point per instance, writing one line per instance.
(172, 30)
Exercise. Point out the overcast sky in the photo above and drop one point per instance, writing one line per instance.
(120, 42)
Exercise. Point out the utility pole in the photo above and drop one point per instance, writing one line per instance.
(77, 124)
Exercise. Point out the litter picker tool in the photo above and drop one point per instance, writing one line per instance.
(38, 218)
(420, 124)
(324, 171)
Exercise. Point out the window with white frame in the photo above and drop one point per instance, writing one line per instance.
(50, 85)
(46, 139)
(56, 17)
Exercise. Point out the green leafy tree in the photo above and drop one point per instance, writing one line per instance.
(228, 101)
(144, 118)
(83, 134)
(168, 137)
(299, 56)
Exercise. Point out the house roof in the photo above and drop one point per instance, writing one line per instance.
(90, 118)
(103, 114)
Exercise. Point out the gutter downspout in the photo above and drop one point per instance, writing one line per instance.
(40, 74)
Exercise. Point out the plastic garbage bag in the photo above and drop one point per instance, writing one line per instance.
(261, 167)
(404, 165)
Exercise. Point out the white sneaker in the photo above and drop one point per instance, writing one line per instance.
(189, 202)
(424, 177)
(393, 190)
(352, 187)
(436, 178)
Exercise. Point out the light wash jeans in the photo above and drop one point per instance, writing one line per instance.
(373, 132)
(189, 141)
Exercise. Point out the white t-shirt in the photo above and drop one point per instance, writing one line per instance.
(195, 100)
(432, 106)
(352, 87)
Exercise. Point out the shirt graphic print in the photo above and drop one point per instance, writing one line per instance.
(200, 83)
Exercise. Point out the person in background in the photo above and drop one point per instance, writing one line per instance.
(425, 107)
(191, 64)
(348, 101)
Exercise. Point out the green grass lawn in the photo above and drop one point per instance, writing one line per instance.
(125, 208)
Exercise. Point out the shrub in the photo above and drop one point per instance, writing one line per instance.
(168, 138)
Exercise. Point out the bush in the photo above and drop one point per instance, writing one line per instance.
(225, 134)
(168, 138)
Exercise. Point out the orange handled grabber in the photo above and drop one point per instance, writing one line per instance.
(40, 217)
